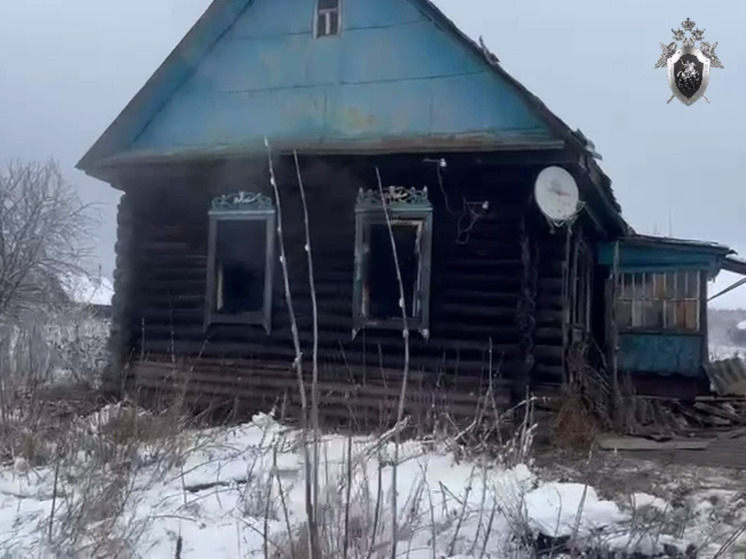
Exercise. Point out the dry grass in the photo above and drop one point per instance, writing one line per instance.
(575, 426)
(96, 457)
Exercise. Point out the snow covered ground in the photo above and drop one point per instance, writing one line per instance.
(725, 351)
(238, 491)
(124, 486)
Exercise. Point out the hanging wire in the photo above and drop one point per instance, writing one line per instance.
(471, 212)
(474, 211)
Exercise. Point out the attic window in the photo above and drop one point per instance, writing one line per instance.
(376, 292)
(240, 260)
(327, 18)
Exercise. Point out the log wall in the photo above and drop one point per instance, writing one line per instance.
(496, 297)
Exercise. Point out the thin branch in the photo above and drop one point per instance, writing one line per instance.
(315, 356)
(405, 375)
(297, 362)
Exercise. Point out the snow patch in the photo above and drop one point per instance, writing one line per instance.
(642, 500)
(87, 290)
(238, 489)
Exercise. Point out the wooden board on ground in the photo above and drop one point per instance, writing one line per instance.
(637, 443)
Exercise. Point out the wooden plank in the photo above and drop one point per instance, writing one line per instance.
(633, 443)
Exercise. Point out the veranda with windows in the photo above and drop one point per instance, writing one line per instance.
(657, 322)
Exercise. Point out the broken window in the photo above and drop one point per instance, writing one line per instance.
(327, 18)
(379, 244)
(659, 301)
(240, 260)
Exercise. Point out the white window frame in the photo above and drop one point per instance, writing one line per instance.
(325, 15)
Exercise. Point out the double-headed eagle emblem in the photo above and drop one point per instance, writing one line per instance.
(688, 65)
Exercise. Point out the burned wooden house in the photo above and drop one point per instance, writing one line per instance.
(367, 114)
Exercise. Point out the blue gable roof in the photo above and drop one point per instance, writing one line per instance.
(400, 76)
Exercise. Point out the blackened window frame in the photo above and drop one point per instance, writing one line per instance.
(403, 205)
(320, 13)
(241, 206)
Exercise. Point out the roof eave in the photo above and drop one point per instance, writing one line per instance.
(176, 68)
(679, 244)
(734, 265)
(453, 144)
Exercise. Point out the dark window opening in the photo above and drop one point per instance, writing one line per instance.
(327, 18)
(240, 260)
(240, 266)
(377, 295)
(382, 284)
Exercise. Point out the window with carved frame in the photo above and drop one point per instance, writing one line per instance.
(240, 260)
(669, 301)
(327, 17)
(377, 301)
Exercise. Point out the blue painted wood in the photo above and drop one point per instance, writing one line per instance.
(179, 64)
(391, 75)
(661, 258)
(661, 353)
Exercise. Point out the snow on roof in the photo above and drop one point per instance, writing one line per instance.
(88, 290)
(741, 325)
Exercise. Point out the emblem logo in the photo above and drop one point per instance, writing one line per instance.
(688, 65)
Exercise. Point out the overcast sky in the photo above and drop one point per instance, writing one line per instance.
(68, 68)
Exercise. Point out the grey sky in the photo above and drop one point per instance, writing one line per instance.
(68, 68)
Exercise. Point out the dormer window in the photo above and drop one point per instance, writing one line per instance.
(327, 18)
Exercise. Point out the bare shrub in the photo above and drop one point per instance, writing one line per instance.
(67, 346)
(101, 465)
(584, 409)
(43, 228)
(575, 426)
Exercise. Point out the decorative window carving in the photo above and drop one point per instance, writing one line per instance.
(669, 301)
(241, 258)
(327, 17)
(376, 295)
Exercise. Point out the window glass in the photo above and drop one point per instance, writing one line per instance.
(646, 284)
(690, 313)
(659, 301)
(652, 314)
(624, 313)
(327, 18)
(692, 285)
(670, 279)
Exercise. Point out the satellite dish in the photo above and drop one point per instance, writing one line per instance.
(556, 194)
